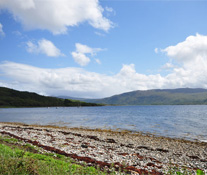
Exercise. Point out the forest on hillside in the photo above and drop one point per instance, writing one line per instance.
(14, 98)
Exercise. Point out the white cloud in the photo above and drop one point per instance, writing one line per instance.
(168, 66)
(97, 61)
(100, 34)
(1, 30)
(191, 72)
(110, 11)
(156, 50)
(83, 48)
(45, 47)
(190, 50)
(32, 48)
(56, 15)
(191, 55)
(80, 58)
(80, 54)
(74, 81)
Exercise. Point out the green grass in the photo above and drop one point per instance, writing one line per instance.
(9, 139)
(14, 160)
(182, 171)
(185, 172)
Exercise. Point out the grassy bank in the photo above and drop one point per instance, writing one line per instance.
(19, 158)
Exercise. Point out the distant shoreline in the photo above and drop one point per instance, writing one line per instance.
(141, 152)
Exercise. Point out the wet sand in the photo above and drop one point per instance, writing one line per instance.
(135, 153)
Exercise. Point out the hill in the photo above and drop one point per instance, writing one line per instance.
(14, 98)
(182, 96)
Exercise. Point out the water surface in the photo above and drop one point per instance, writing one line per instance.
(185, 121)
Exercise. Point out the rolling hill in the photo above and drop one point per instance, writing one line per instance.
(182, 96)
(14, 98)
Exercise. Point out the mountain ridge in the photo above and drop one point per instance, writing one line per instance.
(179, 96)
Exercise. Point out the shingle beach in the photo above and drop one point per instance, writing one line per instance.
(134, 153)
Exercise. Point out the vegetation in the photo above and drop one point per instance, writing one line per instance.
(184, 171)
(182, 96)
(13, 98)
(69, 102)
(16, 159)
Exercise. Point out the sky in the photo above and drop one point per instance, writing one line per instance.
(99, 48)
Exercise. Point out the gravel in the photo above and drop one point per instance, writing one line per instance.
(135, 153)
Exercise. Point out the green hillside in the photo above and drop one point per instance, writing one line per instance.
(13, 98)
(182, 96)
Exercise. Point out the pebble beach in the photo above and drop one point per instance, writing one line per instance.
(130, 152)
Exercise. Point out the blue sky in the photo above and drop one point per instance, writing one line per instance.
(100, 48)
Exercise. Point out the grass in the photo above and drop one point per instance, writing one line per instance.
(16, 160)
(184, 172)
(173, 170)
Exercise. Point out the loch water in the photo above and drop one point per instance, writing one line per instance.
(180, 121)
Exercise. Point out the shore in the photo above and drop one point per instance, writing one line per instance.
(135, 153)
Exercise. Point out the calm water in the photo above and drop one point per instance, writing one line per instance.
(188, 122)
